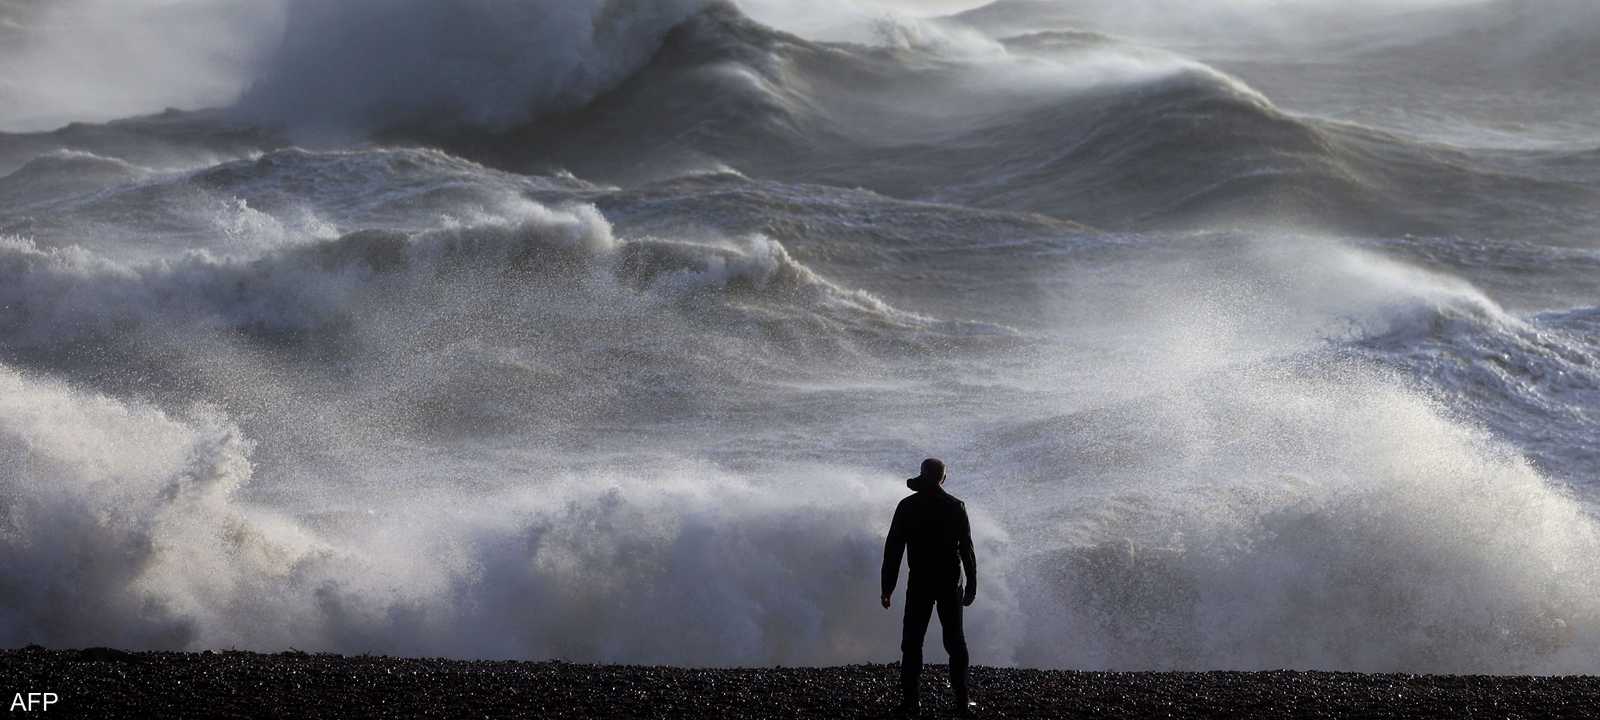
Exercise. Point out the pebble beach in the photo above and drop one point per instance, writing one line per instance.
(101, 682)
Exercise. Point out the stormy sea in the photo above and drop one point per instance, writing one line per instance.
(1254, 334)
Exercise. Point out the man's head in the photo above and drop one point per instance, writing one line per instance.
(932, 476)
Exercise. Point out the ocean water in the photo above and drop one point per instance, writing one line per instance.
(1254, 335)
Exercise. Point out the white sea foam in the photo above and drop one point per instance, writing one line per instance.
(124, 526)
(1286, 520)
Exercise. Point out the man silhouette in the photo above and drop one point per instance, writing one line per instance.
(933, 524)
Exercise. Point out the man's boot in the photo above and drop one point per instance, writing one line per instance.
(908, 692)
(963, 705)
(908, 704)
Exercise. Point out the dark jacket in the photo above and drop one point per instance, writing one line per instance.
(933, 524)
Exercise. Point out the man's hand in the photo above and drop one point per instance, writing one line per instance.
(970, 595)
(885, 602)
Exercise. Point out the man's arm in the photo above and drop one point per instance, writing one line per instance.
(969, 559)
(894, 547)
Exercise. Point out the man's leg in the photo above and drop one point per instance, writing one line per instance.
(955, 643)
(919, 610)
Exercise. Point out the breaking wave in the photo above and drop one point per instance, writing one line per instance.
(370, 65)
(124, 524)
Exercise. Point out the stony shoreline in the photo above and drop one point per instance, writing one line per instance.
(110, 683)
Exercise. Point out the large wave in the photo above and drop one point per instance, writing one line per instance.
(372, 65)
(1081, 127)
(1074, 124)
(124, 525)
(1285, 517)
(1315, 517)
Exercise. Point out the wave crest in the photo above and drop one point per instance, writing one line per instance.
(376, 64)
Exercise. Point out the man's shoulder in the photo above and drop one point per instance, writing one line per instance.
(947, 500)
(928, 498)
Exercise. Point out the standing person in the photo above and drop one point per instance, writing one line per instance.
(933, 524)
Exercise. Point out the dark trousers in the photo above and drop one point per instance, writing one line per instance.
(919, 608)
